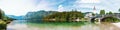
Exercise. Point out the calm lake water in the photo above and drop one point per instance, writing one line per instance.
(23, 25)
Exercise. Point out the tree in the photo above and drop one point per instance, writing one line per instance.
(119, 10)
(65, 16)
(1, 14)
(102, 12)
(110, 12)
(3, 20)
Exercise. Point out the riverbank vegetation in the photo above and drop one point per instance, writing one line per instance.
(4, 20)
(64, 16)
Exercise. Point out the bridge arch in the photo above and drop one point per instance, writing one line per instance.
(109, 19)
(92, 20)
(105, 19)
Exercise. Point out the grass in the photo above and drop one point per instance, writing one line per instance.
(2, 25)
(58, 24)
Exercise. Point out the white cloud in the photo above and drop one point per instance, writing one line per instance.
(43, 5)
(111, 5)
(47, 5)
(88, 1)
(16, 7)
(107, 5)
(60, 8)
(21, 7)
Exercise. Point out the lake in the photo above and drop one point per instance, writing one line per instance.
(24, 25)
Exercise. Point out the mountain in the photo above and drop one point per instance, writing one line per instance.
(33, 15)
(38, 14)
(16, 17)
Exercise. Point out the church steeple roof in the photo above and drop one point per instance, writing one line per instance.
(94, 8)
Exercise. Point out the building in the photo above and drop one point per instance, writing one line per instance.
(94, 10)
(88, 15)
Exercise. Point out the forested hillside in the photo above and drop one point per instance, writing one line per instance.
(64, 16)
(37, 15)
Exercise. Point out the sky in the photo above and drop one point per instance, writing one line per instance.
(21, 7)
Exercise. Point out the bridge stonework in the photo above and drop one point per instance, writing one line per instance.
(101, 17)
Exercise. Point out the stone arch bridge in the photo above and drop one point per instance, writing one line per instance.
(99, 18)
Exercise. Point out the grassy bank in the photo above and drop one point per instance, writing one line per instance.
(3, 24)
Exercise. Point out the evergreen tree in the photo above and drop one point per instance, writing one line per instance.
(119, 10)
(1, 14)
(65, 16)
(110, 12)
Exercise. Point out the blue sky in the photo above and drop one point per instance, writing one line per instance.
(21, 7)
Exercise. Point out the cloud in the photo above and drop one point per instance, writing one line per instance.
(88, 1)
(111, 5)
(48, 5)
(61, 8)
(87, 5)
(16, 7)
(21, 7)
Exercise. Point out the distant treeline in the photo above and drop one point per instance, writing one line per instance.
(50, 15)
(64, 16)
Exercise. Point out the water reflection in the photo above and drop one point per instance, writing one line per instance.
(25, 25)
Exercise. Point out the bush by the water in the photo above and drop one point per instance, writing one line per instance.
(2, 24)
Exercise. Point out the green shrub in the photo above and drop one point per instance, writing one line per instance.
(2, 24)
